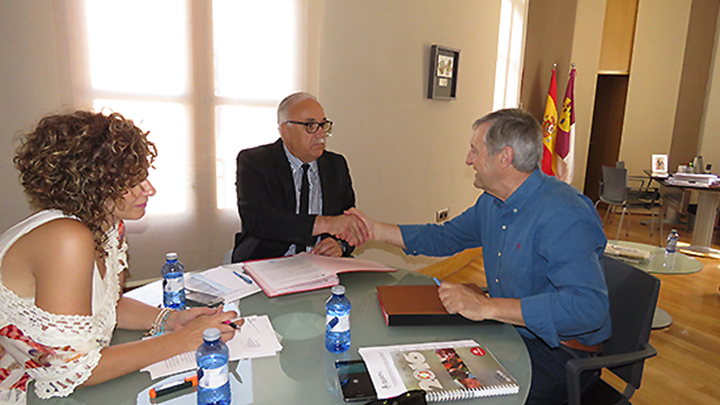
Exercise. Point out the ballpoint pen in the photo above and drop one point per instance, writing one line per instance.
(438, 282)
(243, 277)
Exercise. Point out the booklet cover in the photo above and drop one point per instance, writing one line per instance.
(446, 371)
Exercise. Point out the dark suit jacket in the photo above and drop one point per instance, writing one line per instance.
(266, 201)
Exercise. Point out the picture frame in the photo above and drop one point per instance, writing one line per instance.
(659, 165)
(443, 73)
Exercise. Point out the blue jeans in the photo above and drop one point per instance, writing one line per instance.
(549, 384)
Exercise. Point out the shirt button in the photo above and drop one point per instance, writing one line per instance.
(515, 210)
(497, 280)
(504, 227)
(499, 253)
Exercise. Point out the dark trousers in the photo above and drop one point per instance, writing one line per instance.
(549, 385)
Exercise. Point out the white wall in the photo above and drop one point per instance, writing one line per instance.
(406, 153)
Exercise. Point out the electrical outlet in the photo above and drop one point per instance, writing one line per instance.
(442, 215)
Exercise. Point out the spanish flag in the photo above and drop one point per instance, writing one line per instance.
(565, 142)
(549, 127)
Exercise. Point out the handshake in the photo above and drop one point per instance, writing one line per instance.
(353, 226)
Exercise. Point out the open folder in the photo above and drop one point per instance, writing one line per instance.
(305, 272)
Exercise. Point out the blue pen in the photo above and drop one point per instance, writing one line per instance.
(243, 277)
(438, 282)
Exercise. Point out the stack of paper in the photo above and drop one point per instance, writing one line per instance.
(628, 253)
(256, 338)
(693, 179)
(227, 281)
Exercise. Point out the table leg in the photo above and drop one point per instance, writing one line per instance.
(661, 319)
(708, 202)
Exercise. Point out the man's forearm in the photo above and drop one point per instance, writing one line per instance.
(388, 233)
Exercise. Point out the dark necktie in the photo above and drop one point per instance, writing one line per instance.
(304, 199)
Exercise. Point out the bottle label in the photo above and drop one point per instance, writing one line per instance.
(173, 284)
(214, 377)
(338, 323)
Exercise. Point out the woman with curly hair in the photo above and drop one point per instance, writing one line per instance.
(61, 269)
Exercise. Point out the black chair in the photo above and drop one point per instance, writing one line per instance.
(633, 296)
(615, 192)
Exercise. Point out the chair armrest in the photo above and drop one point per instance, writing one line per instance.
(574, 367)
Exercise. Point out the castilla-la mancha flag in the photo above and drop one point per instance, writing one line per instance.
(565, 138)
(549, 128)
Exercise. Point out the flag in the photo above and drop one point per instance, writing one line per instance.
(565, 140)
(549, 127)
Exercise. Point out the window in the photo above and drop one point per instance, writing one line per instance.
(147, 60)
(508, 68)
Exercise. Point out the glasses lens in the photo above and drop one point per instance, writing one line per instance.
(327, 127)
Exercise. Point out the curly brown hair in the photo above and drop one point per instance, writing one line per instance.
(79, 162)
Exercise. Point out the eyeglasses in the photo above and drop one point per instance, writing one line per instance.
(312, 127)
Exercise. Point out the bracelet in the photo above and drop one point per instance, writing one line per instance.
(158, 326)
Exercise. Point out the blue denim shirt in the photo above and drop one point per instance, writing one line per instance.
(543, 245)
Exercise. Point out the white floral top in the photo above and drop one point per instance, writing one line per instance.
(59, 352)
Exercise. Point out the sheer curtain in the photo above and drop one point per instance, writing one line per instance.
(204, 77)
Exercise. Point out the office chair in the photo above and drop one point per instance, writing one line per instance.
(633, 296)
(614, 192)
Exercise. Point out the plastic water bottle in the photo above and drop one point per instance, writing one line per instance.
(212, 360)
(173, 284)
(337, 321)
(672, 241)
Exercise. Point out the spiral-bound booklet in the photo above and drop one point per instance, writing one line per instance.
(446, 371)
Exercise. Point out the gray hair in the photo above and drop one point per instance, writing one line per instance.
(517, 129)
(288, 102)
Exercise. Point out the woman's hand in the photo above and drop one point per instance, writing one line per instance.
(191, 333)
(178, 319)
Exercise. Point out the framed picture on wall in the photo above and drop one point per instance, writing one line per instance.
(443, 75)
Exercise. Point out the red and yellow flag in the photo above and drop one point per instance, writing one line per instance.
(565, 141)
(549, 127)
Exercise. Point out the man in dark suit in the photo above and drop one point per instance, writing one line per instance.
(281, 215)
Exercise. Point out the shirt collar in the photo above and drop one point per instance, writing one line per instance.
(527, 189)
(295, 163)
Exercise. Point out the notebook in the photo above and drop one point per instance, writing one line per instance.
(412, 305)
(446, 371)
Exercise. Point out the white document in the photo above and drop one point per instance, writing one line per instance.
(256, 338)
(227, 281)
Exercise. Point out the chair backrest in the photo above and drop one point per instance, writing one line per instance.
(633, 296)
(613, 187)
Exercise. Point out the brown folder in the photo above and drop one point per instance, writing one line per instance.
(413, 305)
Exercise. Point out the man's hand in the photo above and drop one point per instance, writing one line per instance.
(459, 299)
(328, 247)
(347, 227)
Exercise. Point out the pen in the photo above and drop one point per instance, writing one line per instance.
(243, 277)
(231, 324)
(174, 386)
(438, 282)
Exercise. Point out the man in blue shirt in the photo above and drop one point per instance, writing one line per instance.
(542, 246)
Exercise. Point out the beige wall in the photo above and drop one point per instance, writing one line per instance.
(406, 152)
(710, 133)
(655, 72)
(587, 41)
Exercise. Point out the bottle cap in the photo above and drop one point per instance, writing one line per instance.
(171, 256)
(338, 290)
(211, 334)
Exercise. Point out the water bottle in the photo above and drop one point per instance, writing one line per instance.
(212, 360)
(337, 321)
(672, 241)
(173, 284)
